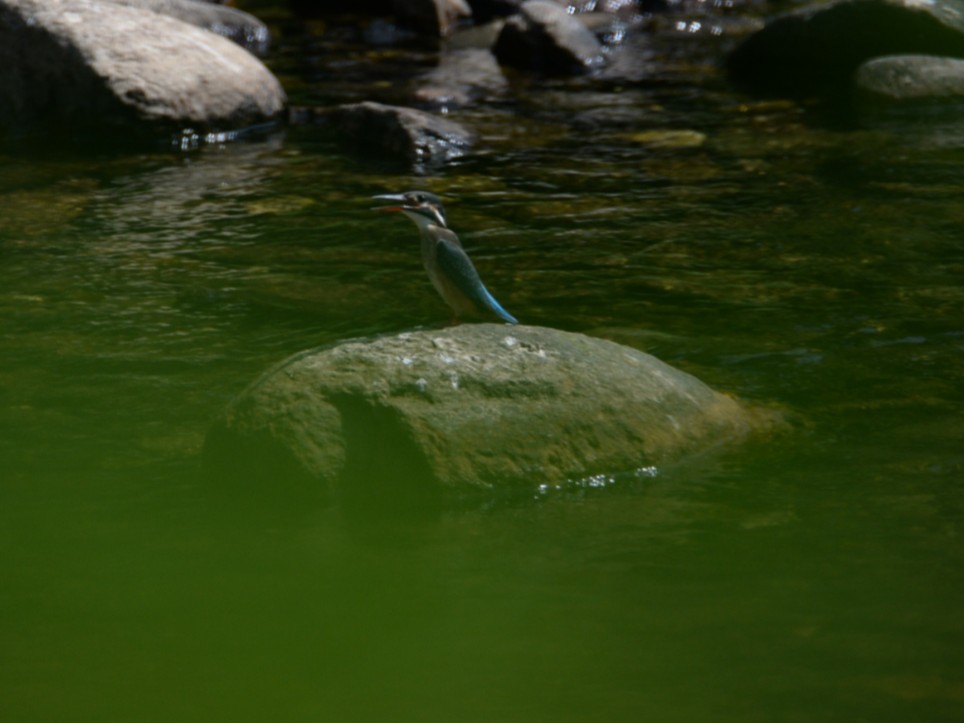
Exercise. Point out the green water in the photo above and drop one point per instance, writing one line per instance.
(787, 258)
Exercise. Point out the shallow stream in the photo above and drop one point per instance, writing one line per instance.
(804, 260)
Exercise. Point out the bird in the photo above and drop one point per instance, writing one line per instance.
(450, 269)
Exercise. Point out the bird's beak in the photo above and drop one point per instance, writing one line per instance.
(397, 198)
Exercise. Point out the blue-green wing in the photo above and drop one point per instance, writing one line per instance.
(456, 265)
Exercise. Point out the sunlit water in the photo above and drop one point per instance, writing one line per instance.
(787, 259)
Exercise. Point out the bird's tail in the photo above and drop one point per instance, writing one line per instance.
(497, 308)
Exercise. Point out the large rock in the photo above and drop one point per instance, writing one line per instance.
(101, 65)
(401, 134)
(544, 38)
(461, 77)
(817, 49)
(904, 78)
(237, 25)
(470, 408)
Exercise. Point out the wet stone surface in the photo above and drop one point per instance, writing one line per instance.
(464, 410)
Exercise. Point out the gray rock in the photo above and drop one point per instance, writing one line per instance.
(461, 77)
(231, 23)
(476, 37)
(468, 409)
(398, 133)
(817, 49)
(897, 78)
(101, 65)
(544, 38)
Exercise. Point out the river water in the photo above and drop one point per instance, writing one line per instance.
(799, 259)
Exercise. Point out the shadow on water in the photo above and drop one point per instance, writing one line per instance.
(385, 473)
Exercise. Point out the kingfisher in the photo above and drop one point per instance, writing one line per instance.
(451, 270)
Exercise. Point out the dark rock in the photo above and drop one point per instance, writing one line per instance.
(543, 37)
(398, 133)
(473, 408)
(235, 25)
(897, 78)
(100, 65)
(485, 10)
(461, 77)
(817, 49)
(432, 19)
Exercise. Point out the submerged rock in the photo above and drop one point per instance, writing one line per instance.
(465, 409)
(818, 48)
(400, 133)
(102, 65)
(898, 78)
(543, 37)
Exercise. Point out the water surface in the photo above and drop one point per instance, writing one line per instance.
(779, 254)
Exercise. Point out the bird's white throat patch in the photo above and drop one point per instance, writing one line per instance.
(424, 222)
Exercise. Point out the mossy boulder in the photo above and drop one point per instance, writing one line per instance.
(469, 409)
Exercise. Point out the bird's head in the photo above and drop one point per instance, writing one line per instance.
(422, 207)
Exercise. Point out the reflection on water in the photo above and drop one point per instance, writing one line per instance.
(815, 576)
